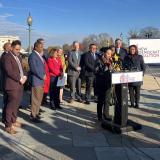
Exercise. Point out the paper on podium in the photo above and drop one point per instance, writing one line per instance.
(62, 82)
(127, 77)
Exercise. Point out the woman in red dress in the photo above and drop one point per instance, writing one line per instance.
(55, 71)
(46, 83)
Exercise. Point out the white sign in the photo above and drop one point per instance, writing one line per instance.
(127, 77)
(148, 48)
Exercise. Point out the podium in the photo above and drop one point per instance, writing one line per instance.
(120, 122)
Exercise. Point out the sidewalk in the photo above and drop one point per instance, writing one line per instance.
(75, 134)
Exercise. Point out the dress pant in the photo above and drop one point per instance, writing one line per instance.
(75, 86)
(54, 92)
(104, 97)
(12, 101)
(134, 92)
(90, 81)
(4, 106)
(36, 100)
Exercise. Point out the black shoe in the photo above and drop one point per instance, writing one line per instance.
(80, 100)
(41, 111)
(136, 106)
(36, 120)
(70, 101)
(108, 118)
(59, 107)
(53, 108)
(38, 117)
(100, 119)
(95, 99)
(87, 102)
(3, 121)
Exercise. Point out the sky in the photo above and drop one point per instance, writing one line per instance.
(63, 21)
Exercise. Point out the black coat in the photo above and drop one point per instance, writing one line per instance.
(135, 63)
(90, 64)
(123, 54)
(103, 77)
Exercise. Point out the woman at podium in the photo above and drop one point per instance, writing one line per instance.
(134, 62)
(103, 84)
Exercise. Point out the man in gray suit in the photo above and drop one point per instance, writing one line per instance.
(74, 70)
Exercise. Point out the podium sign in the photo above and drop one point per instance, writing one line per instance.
(121, 123)
(127, 77)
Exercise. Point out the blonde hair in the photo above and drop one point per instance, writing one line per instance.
(6, 45)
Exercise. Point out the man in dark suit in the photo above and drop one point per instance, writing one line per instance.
(37, 76)
(119, 50)
(13, 86)
(74, 70)
(7, 50)
(90, 62)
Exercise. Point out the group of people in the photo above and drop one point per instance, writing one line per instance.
(93, 67)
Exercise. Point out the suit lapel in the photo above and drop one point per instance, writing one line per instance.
(15, 62)
(38, 57)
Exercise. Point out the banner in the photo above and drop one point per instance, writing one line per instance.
(148, 48)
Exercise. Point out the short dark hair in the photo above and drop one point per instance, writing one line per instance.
(40, 40)
(74, 42)
(36, 44)
(92, 44)
(16, 42)
(118, 39)
(106, 49)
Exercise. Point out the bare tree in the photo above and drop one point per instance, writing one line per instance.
(66, 48)
(149, 32)
(134, 33)
(101, 40)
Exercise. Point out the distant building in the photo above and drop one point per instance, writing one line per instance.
(4, 39)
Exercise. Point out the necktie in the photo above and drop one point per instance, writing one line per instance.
(94, 56)
(77, 55)
(19, 66)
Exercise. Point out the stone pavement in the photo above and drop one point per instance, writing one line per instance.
(75, 134)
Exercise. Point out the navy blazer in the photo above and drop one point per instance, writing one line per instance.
(37, 70)
(90, 64)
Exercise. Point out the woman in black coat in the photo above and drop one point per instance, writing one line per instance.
(103, 84)
(134, 62)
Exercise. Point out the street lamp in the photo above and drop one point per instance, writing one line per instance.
(121, 36)
(29, 22)
(107, 43)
